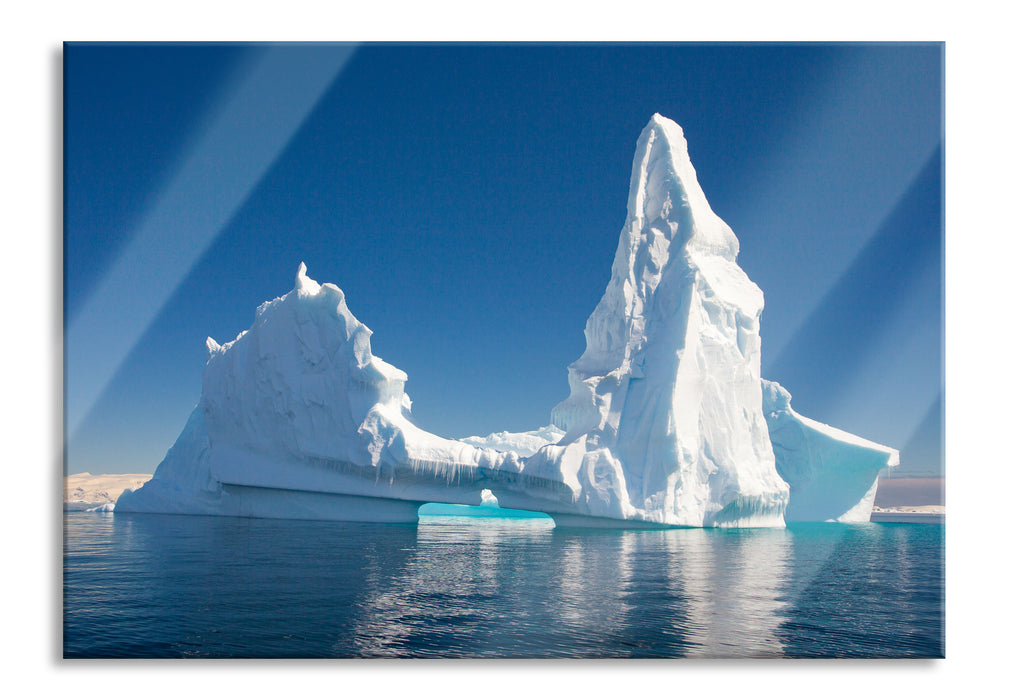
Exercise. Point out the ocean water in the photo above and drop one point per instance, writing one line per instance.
(138, 585)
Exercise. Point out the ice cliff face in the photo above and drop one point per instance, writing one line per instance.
(667, 422)
(664, 418)
(833, 475)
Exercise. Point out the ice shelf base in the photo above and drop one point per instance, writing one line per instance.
(258, 502)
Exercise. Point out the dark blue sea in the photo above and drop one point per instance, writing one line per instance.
(153, 586)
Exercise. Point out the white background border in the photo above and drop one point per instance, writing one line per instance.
(975, 298)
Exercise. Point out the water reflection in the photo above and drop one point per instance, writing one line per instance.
(146, 585)
(593, 578)
(459, 592)
(522, 589)
(732, 581)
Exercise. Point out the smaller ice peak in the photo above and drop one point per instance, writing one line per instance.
(302, 380)
(304, 283)
(488, 499)
(666, 200)
(213, 347)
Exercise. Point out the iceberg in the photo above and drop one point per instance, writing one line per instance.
(666, 425)
(832, 474)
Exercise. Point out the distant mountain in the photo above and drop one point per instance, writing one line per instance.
(86, 490)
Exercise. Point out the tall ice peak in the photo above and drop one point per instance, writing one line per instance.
(666, 198)
(664, 417)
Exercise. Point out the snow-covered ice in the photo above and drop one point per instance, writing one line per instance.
(522, 444)
(663, 427)
(832, 474)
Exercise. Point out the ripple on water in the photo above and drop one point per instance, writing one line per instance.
(138, 585)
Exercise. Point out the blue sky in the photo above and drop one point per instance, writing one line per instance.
(468, 199)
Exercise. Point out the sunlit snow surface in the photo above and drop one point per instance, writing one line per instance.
(522, 444)
(665, 424)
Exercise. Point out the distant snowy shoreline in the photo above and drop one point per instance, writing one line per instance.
(930, 518)
(923, 510)
(85, 491)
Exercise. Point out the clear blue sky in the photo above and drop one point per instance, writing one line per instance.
(468, 200)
